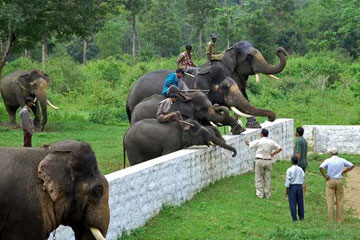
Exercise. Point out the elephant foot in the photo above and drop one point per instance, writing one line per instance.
(252, 123)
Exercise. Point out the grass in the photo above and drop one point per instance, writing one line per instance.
(105, 140)
(229, 209)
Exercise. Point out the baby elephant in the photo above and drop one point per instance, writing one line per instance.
(148, 139)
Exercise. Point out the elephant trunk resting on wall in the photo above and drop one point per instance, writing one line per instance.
(239, 62)
(19, 85)
(41, 188)
(199, 108)
(148, 139)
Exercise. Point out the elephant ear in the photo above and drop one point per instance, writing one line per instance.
(55, 174)
(229, 58)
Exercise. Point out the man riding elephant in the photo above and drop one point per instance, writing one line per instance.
(238, 63)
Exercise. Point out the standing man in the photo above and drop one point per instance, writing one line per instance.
(266, 149)
(26, 123)
(334, 184)
(174, 79)
(295, 177)
(301, 151)
(211, 50)
(185, 62)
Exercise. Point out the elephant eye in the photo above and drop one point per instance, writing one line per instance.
(97, 191)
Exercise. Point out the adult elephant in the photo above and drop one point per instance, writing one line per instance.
(239, 62)
(148, 139)
(199, 107)
(41, 188)
(19, 85)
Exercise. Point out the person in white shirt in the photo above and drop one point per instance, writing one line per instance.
(266, 149)
(334, 184)
(295, 177)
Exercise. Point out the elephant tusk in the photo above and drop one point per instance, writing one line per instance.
(235, 110)
(257, 77)
(213, 124)
(51, 105)
(219, 124)
(211, 143)
(35, 99)
(272, 76)
(97, 234)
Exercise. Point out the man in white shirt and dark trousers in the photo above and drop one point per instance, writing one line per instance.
(334, 184)
(266, 149)
(295, 177)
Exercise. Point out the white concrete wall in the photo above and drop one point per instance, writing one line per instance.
(322, 137)
(138, 193)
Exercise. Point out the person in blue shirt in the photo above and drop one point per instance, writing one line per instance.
(174, 79)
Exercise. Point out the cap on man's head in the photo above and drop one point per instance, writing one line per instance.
(333, 150)
(29, 99)
(213, 35)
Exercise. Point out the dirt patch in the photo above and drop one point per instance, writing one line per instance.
(352, 191)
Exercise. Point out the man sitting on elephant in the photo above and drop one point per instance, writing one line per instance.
(163, 113)
(211, 53)
(185, 62)
(174, 79)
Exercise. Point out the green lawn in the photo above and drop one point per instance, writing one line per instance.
(229, 209)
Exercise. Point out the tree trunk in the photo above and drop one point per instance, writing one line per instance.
(11, 39)
(44, 50)
(27, 53)
(85, 52)
(200, 44)
(133, 22)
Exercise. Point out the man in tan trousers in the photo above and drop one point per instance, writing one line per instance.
(266, 149)
(334, 184)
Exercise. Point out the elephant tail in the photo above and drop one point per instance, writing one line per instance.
(128, 112)
(124, 151)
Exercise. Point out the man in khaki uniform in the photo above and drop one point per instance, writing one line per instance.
(266, 149)
(211, 50)
(26, 123)
(334, 183)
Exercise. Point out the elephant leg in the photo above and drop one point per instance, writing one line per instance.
(12, 112)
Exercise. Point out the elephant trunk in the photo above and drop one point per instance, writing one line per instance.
(43, 104)
(260, 65)
(222, 144)
(236, 99)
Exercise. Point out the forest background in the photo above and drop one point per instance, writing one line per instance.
(95, 50)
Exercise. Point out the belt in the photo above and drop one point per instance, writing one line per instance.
(264, 159)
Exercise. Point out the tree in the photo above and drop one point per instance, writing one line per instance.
(134, 7)
(160, 29)
(199, 13)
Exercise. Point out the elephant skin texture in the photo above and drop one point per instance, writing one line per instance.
(148, 139)
(44, 187)
(199, 107)
(19, 85)
(239, 62)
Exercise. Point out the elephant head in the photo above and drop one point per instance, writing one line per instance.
(34, 84)
(243, 60)
(200, 135)
(75, 193)
(225, 91)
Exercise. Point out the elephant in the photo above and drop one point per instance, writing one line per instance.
(19, 85)
(199, 108)
(238, 63)
(148, 139)
(44, 187)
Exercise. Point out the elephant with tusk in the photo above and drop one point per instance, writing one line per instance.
(238, 63)
(44, 187)
(199, 107)
(19, 85)
(148, 139)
